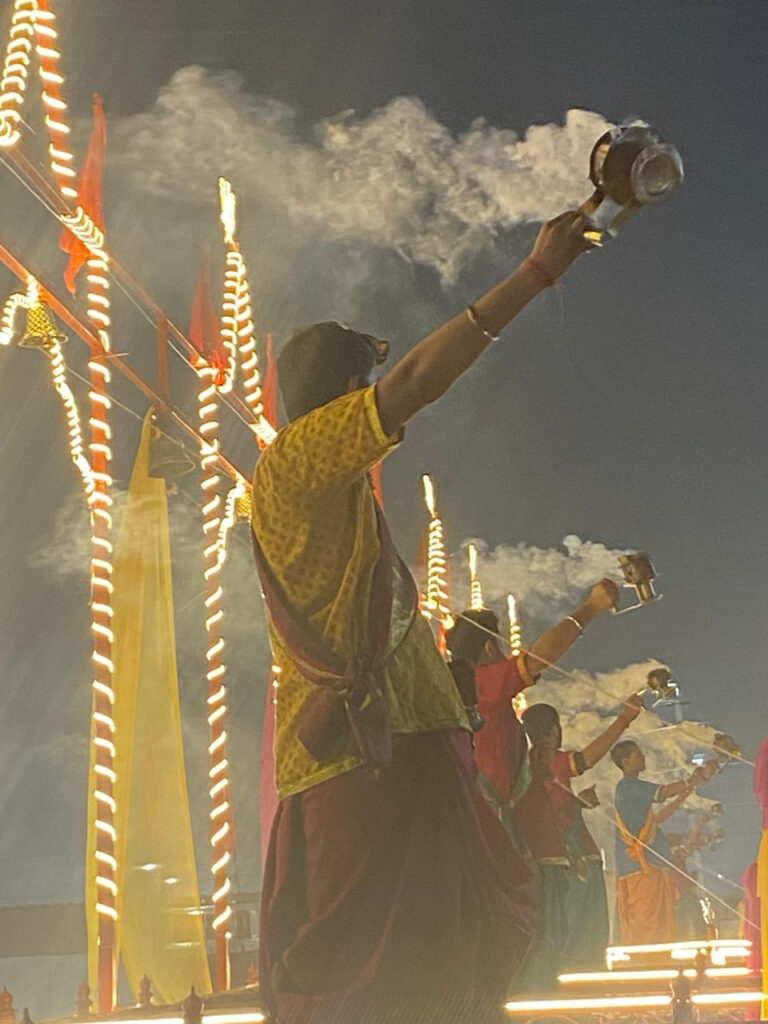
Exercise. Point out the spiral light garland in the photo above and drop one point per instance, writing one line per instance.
(237, 328)
(475, 589)
(220, 814)
(437, 597)
(33, 26)
(515, 634)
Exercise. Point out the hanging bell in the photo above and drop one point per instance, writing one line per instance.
(42, 330)
(167, 458)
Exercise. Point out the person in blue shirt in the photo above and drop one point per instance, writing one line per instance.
(645, 887)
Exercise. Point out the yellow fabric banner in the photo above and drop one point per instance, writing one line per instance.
(160, 927)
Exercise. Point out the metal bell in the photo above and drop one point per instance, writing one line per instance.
(42, 330)
(167, 458)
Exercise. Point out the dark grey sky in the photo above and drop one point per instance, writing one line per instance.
(627, 408)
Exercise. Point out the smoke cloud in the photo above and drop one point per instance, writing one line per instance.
(544, 581)
(396, 179)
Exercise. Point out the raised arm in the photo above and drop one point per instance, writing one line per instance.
(600, 746)
(685, 787)
(435, 363)
(552, 645)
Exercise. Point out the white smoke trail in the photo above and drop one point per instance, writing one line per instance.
(396, 179)
(545, 581)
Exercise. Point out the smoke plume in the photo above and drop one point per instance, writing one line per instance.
(396, 179)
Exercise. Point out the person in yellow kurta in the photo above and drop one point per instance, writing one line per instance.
(391, 895)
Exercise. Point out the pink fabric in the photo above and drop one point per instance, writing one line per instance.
(395, 898)
(268, 799)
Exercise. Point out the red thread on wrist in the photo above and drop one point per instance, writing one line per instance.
(541, 272)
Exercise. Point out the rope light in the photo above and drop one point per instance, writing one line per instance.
(215, 531)
(33, 26)
(475, 589)
(237, 327)
(437, 596)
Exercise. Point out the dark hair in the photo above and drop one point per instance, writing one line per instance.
(621, 752)
(317, 363)
(539, 720)
(464, 640)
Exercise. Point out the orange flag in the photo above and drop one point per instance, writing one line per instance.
(269, 394)
(88, 195)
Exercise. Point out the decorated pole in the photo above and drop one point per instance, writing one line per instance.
(220, 836)
(437, 604)
(515, 633)
(33, 27)
(237, 328)
(475, 588)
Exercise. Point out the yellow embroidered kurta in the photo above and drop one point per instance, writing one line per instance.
(315, 519)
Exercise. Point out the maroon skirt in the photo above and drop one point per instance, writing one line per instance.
(396, 899)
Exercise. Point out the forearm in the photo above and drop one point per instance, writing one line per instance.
(436, 362)
(669, 809)
(552, 645)
(600, 746)
(683, 787)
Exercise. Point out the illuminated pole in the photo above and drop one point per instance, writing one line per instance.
(515, 634)
(437, 603)
(237, 329)
(33, 25)
(475, 589)
(220, 835)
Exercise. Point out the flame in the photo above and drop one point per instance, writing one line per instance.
(429, 493)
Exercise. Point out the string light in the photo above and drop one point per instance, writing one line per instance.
(437, 596)
(214, 538)
(515, 633)
(475, 589)
(237, 328)
(33, 25)
(13, 84)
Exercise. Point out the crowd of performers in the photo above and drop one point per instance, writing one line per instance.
(526, 777)
(417, 871)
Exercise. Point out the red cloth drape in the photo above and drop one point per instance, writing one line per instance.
(269, 396)
(88, 195)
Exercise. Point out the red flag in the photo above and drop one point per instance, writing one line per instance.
(88, 195)
(204, 330)
(269, 392)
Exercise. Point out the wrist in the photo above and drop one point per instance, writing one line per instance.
(540, 271)
(584, 614)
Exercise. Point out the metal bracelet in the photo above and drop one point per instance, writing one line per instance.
(577, 624)
(472, 314)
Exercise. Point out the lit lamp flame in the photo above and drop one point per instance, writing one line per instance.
(228, 202)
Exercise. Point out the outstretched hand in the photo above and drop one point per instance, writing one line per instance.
(560, 241)
(604, 595)
(632, 707)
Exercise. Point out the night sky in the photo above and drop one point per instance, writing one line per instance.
(626, 407)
